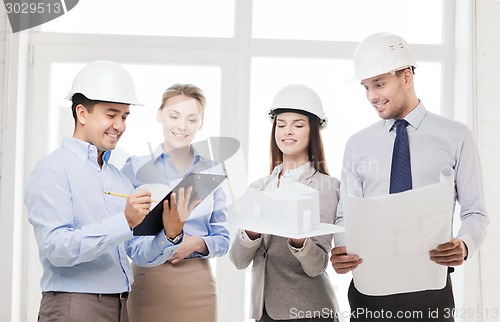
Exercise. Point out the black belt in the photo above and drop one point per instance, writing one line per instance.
(121, 296)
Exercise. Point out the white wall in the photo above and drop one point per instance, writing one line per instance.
(3, 35)
(488, 134)
(13, 78)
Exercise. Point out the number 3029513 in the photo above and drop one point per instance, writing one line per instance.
(462, 313)
(20, 8)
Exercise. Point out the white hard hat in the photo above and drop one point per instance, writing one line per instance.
(106, 81)
(298, 97)
(381, 53)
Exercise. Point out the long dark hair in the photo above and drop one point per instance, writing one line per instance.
(315, 151)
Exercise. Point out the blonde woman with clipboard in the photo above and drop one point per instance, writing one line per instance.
(183, 288)
(289, 282)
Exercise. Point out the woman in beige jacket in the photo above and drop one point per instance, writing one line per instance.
(289, 282)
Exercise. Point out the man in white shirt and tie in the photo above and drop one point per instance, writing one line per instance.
(385, 66)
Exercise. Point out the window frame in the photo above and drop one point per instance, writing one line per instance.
(234, 56)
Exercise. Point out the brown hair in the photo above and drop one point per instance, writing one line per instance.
(189, 90)
(315, 151)
(399, 72)
(78, 99)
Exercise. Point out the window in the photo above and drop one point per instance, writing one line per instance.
(142, 129)
(328, 78)
(187, 18)
(241, 71)
(418, 21)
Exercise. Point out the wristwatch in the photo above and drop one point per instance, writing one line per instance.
(176, 239)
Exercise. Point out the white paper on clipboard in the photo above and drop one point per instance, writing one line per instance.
(203, 185)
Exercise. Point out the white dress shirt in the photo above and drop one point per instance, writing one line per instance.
(435, 143)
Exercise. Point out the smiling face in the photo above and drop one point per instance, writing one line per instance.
(292, 136)
(181, 118)
(392, 96)
(102, 125)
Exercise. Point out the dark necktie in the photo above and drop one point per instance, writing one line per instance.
(401, 165)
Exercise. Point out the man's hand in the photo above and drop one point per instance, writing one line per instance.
(189, 245)
(175, 213)
(343, 263)
(452, 253)
(137, 207)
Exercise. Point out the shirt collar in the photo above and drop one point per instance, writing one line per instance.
(414, 118)
(293, 173)
(159, 152)
(84, 150)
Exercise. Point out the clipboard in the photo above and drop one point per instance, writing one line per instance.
(203, 185)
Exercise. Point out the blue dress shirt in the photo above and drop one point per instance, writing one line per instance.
(82, 234)
(206, 219)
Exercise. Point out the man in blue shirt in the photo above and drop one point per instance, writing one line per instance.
(385, 67)
(83, 235)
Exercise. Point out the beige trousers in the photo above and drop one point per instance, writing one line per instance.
(185, 291)
(81, 307)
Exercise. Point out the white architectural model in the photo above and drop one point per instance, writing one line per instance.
(289, 212)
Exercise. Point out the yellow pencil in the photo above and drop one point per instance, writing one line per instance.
(121, 195)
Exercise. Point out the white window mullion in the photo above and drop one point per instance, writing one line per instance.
(231, 283)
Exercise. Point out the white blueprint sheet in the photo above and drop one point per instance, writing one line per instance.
(394, 234)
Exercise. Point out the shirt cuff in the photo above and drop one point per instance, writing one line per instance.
(161, 245)
(295, 249)
(246, 241)
(117, 228)
(469, 243)
(163, 240)
(210, 247)
(339, 239)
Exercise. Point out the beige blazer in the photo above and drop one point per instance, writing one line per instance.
(288, 282)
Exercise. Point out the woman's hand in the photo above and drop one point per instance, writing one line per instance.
(297, 243)
(252, 234)
(189, 245)
(175, 213)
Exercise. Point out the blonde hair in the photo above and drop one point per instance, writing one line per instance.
(189, 90)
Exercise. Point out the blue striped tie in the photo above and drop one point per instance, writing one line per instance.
(401, 165)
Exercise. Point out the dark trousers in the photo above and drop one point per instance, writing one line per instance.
(433, 305)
